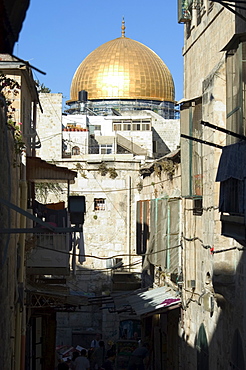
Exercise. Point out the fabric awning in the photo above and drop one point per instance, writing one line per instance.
(232, 162)
(232, 177)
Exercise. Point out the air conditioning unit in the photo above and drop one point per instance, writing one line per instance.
(110, 263)
(114, 263)
(191, 284)
(208, 302)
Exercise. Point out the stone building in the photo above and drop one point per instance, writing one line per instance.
(18, 104)
(120, 117)
(191, 225)
(212, 325)
(23, 316)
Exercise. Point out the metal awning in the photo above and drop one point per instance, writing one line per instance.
(39, 170)
(151, 301)
(187, 100)
(56, 297)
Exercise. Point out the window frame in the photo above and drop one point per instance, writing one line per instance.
(235, 90)
(191, 115)
(99, 204)
(75, 150)
(107, 147)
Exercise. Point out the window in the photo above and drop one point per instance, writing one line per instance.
(145, 127)
(132, 125)
(155, 145)
(142, 234)
(191, 151)
(158, 221)
(236, 90)
(75, 150)
(136, 127)
(117, 127)
(127, 127)
(97, 127)
(106, 149)
(99, 204)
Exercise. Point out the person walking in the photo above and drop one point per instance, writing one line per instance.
(109, 363)
(95, 341)
(138, 357)
(82, 362)
(72, 364)
(98, 356)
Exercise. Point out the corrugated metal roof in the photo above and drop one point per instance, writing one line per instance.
(40, 170)
(53, 296)
(150, 301)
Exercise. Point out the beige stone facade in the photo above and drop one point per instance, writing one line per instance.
(18, 103)
(109, 180)
(211, 294)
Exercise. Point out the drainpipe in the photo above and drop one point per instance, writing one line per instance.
(20, 331)
(128, 223)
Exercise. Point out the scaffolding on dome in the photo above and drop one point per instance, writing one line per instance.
(165, 109)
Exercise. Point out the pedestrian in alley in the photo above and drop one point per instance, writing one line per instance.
(109, 363)
(138, 358)
(95, 341)
(63, 366)
(72, 364)
(82, 362)
(98, 356)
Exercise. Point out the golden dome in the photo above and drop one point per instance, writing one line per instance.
(123, 69)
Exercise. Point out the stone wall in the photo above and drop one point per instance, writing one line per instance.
(9, 189)
(49, 126)
(215, 303)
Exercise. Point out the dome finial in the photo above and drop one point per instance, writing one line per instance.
(123, 28)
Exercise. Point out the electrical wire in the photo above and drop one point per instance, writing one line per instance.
(108, 258)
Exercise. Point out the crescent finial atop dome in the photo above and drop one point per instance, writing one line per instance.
(123, 28)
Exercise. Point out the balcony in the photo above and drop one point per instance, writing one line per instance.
(50, 255)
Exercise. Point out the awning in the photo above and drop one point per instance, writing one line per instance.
(39, 170)
(150, 302)
(56, 297)
(187, 100)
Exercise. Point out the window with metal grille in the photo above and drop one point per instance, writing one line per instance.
(99, 204)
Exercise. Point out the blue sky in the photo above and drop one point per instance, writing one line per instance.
(57, 35)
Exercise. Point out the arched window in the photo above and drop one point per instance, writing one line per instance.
(75, 150)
